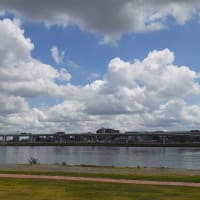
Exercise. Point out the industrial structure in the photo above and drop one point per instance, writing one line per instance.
(105, 137)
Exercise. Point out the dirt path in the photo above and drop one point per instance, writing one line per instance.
(102, 180)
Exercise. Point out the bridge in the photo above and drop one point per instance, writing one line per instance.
(100, 138)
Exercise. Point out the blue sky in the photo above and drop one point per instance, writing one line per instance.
(132, 66)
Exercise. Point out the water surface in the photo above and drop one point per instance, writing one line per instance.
(173, 157)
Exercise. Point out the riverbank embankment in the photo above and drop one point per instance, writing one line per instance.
(132, 173)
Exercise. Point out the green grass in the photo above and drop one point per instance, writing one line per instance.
(18, 189)
(169, 177)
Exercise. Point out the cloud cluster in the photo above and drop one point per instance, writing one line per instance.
(107, 18)
(144, 94)
(20, 74)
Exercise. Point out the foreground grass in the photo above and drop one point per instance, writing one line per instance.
(18, 189)
(167, 177)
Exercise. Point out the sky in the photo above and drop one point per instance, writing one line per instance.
(76, 66)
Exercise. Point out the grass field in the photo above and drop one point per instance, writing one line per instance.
(30, 189)
(18, 189)
(158, 177)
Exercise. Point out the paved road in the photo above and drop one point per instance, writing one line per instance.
(102, 180)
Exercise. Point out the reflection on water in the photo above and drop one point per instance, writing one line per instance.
(174, 157)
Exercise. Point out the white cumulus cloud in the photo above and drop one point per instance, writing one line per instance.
(20, 74)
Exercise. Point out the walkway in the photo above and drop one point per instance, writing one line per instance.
(102, 180)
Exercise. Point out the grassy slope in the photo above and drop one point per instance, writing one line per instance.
(166, 177)
(13, 189)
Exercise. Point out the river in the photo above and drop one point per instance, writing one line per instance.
(173, 157)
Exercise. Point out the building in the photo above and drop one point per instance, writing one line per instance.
(106, 131)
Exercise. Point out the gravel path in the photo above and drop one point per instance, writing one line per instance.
(102, 180)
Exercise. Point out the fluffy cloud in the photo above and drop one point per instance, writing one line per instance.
(57, 56)
(12, 104)
(107, 18)
(144, 94)
(20, 74)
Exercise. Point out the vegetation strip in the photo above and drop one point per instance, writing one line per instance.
(104, 180)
